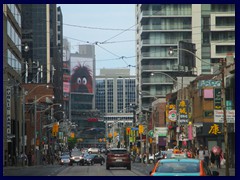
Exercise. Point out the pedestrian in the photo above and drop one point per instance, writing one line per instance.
(29, 158)
(200, 153)
(44, 160)
(218, 162)
(212, 159)
(206, 155)
(144, 158)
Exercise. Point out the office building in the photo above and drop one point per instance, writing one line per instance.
(42, 32)
(12, 61)
(116, 98)
(208, 28)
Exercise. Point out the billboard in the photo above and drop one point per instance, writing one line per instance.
(186, 54)
(81, 74)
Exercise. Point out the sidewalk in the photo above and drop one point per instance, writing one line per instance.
(222, 171)
(20, 167)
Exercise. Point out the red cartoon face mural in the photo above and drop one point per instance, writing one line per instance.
(81, 79)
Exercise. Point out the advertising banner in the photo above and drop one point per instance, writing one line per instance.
(160, 131)
(66, 87)
(218, 116)
(81, 74)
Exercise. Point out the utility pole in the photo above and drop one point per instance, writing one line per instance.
(147, 148)
(223, 62)
(35, 128)
(23, 123)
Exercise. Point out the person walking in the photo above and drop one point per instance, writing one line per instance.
(218, 162)
(206, 155)
(200, 153)
(29, 158)
(212, 159)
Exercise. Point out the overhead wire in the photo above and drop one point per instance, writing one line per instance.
(114, 29)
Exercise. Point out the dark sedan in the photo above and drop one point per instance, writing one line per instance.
(92, 159)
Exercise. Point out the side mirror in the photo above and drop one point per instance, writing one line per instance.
(215, 173)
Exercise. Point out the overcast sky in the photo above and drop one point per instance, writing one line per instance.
(106, 24)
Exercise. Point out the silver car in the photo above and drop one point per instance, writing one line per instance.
(93, 150)
(65, 160)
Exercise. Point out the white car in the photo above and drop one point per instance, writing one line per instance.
(93, 150)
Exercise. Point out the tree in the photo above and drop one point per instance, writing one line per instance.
(71, 142)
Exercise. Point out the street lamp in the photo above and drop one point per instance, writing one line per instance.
(35, 121)
(25, 94)
(223, 67)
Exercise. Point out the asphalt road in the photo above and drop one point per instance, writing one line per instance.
(138, 169)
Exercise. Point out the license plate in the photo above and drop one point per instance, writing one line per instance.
(118, 160)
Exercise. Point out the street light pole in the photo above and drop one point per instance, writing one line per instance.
(23, 123)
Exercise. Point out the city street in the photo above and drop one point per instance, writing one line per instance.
(138, 169)
(57, 170)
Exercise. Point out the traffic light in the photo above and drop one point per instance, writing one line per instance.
(128, 129)
(72, 135)
(140, 129)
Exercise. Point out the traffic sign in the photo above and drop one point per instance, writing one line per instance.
(172, 115)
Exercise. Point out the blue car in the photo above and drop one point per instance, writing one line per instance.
(182, 167)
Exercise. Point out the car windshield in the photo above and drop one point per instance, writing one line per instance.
(76, 153)
(178, 167)
(91, 155)
(64, 157)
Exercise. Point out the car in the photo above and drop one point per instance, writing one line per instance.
(92, 159)
(65, 160)
(118, 157)
(93, 150)
(76, 156)
(103, 150)
(83, 161)
(182, 167)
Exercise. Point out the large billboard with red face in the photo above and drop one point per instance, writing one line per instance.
(81, 74)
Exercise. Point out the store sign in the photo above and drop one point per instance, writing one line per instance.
(182, 110)
(208, 83)
(215, 129)
(219, 117)
(8, 113)
(217, 98)
(160, 131)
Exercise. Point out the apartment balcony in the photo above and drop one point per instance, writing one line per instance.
(167, 42)
(157, 55)
(215, 54)
(168, 27)
(147, 14)
(157, 81)
(216, 26)
(150, 68)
